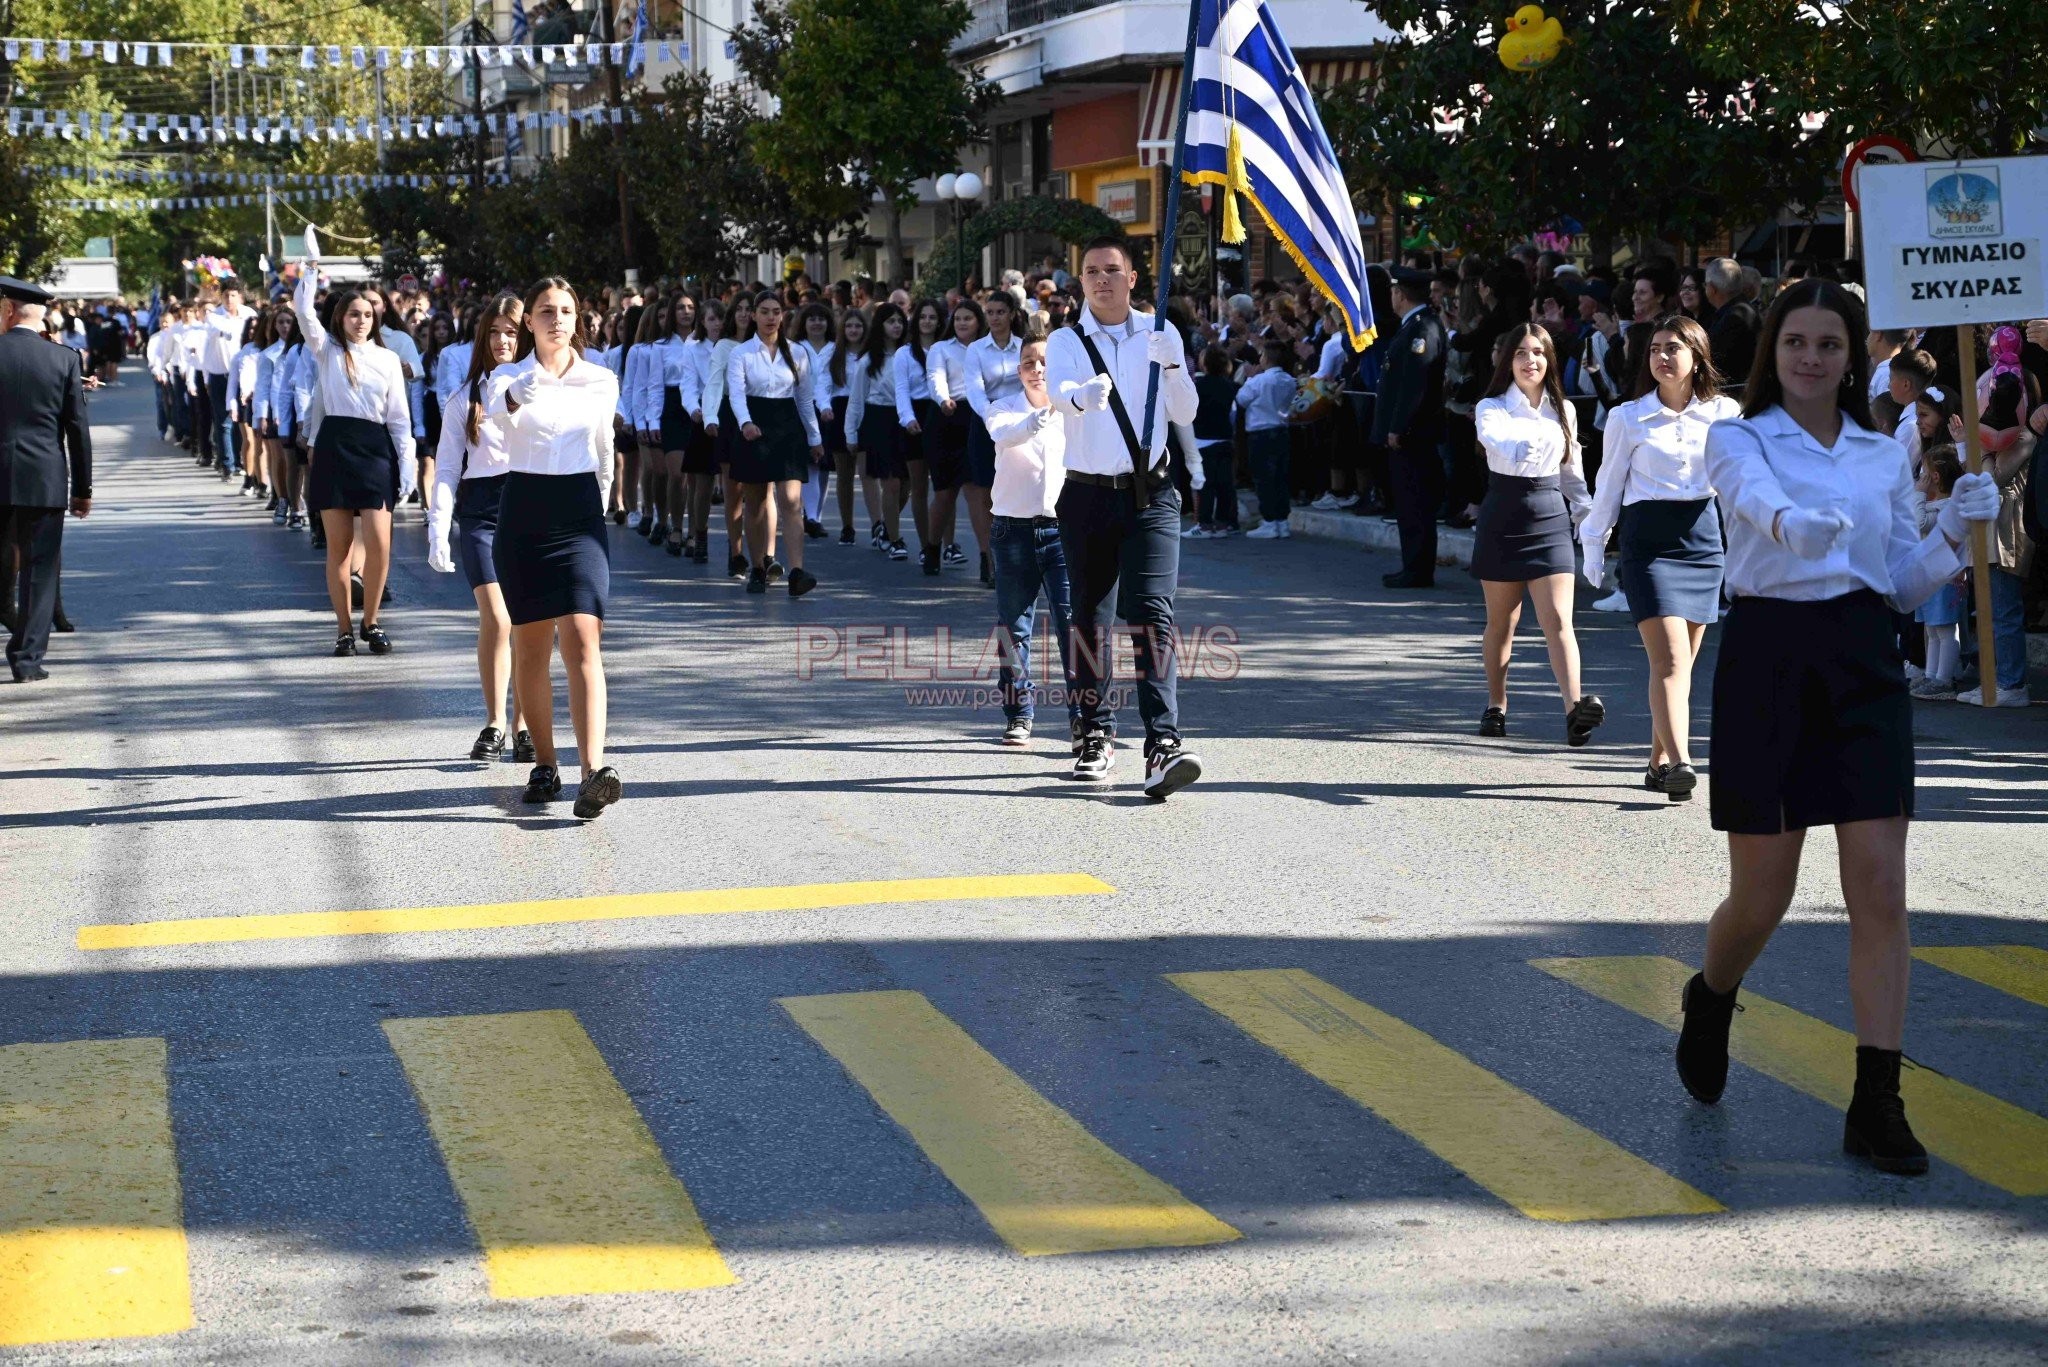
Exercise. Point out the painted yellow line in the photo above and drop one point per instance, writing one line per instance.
(1041, 1180)
(92, 1238)
(1542, 1163)
(2016, 970)
(302, 925)
(1992, 1140)
(564, 1185)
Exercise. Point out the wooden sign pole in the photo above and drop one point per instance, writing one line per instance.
(1980, 554)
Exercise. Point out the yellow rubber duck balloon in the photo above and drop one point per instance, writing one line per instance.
(1532, 41)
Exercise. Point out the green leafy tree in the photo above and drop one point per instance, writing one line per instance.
(871, 101)
(1968, 77)
(1626, 131)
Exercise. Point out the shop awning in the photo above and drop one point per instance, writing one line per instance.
(1161, 105)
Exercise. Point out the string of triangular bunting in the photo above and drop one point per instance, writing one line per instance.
(194, 201)
(353, 56)
(258, 179)
(109, 127)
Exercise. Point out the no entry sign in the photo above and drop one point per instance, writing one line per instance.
(1955, 241)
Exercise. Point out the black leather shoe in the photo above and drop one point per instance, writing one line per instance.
(1679, 782)
(490, 744)
(1493, 722)
(846, 537)
(801, 582)
(355, 591)
(813, 528)
(1875, 1128)
(1586, 714)
(542, 785)
(774, 570)
(598, 792)
(345, 644)
(1404, 580)
(1653, 777)
(929, 556)
(375, 639)
(757, 581)
(522, 748)
(1703, 1039)
(33, 674)
(62, 625)
(735, 565)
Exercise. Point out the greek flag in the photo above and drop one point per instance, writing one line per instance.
(636, 55)
(1252, 129)
(515, 141)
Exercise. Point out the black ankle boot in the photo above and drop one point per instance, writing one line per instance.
(1703, 1039)
(1875, 1129)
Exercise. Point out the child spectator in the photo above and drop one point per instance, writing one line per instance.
(1942, 614)
(1216, 503)
(1911, 375)
(1267, 398)
(1928, 425)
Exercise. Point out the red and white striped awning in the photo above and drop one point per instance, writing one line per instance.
(1161, 105)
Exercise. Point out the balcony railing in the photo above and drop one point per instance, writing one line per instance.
(994, 18)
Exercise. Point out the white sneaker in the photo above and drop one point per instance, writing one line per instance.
(1196, 532)
(633, 521)
(1327, 503)
(1616, 601)
(1267, 531)
(1347, 502)
(2007, 697)
(1914, 673)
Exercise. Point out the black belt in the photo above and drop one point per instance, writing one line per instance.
(1102, 481)
(1032, 521)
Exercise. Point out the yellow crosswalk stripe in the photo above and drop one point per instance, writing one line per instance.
(301, 925)
(2016, 970)
(1043, 1182)
(1542, 1163)
(1992, 1140)
(565, 1187)
(92, 1238)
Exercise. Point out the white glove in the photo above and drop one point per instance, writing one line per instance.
(1093, 392)
(1811, 533)
(408, 478)
(1163, 347)
(312, 242)
(1042, 418)
(1596, 565)
(1196, 478)
(438, 557)
(526, 388)
(1974, 498)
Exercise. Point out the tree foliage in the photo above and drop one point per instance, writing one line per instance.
(1070, 220)
(1627, 132)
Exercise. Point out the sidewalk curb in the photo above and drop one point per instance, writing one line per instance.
(1453, 547)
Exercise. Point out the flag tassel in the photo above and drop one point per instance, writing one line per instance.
(1233, 219)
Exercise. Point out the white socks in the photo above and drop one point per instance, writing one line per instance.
(1944, 651)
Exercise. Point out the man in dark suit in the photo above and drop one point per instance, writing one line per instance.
(1731, 337)
(42, 422)
(1408, 421)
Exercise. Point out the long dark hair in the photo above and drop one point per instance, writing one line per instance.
(706, 308)
(782, 332)
(337, 309)
(1706, 381)
(1553, 374)
(842, 349)
(629, 329)
(878, 339)
(911, 331)
(1764, 392)
(480, 363)
(802, 319)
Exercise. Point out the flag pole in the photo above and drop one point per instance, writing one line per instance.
(1168, 239)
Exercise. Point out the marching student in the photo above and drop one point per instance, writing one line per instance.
(834, 386)
(1812, 725)
(221, 337)
(242, 368)
(1119, 517)
(814, 327)
(768, 385)
(724, 431)
(472, 467)
(643, 443)
(1523, 540)
(700, 461)
(952, 422)
(672, 414)
(271, 432)
(552, 556)
(915, 412)
(874, 425)
(1653, 483)
(991, 378)
(1029, 440)
(362, 463)
(440, 340)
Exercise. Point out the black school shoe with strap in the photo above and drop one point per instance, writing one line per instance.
(522, 747)
(1579, 723)
(375, 639)
(345, 644)
(598, 792)
(490, 744)
(544, 784)
(1493, 722)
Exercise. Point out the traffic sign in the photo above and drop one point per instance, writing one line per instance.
(1881, 149)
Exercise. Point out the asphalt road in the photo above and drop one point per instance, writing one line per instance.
(1067, 1120)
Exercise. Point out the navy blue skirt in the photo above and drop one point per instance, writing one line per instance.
(476, 527)
(355, 466)
(676, 427)
(981, 455)
(551, 553)
(1671, 559)
(783, 450)
(881, 438)
(1524, 530)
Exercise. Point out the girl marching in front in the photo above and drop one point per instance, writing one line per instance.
(1811, 721)
(991, 378)
(362, 462)
(550, 551)
(768, 384)
(470, 471)
(874, 426)
(1523, 540)
(1653, 481)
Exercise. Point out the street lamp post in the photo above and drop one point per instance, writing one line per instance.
(962, 188)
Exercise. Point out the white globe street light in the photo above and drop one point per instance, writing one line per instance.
(962, 188)
(943, 186)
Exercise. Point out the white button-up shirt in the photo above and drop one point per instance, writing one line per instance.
(711, 365)
(913, 382)
(376, 394)
(1266, 398)
(222, 337)
(992, 373)
(457, 458)
(1768, 464)
(753, 371)
(822, 388)
(1652, 454)
(1030, 460)
(567, 429)
(1531, 443)
(451, 369)
(865, 387)
(945, 368)
(1094, 444)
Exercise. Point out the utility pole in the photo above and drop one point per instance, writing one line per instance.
(611, 81)
(377, 84)
(475, 76)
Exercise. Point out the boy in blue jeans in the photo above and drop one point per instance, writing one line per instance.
(1267, 398)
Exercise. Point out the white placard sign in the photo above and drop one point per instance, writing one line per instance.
(1955, 241)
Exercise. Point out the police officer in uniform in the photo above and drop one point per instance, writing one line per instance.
(1409, 421)
(42, 422)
